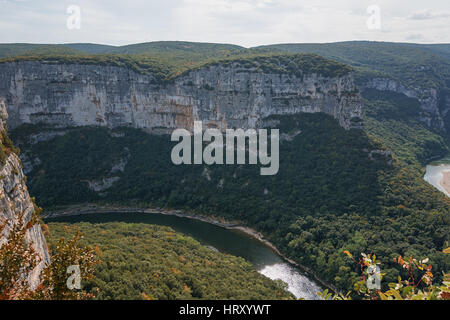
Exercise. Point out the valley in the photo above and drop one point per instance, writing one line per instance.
(143, 261)
(356, 136)
(225, 238)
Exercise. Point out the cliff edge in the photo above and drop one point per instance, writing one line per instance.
(235, 93)
(15, 200)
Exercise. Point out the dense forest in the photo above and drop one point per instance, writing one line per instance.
(392, 117)
(142, 261)
(165, 68)
(356, 191)
(422, 66)
(412, 64)
(331, 193)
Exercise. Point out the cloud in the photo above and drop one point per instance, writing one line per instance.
(242, 22)
(415, 37)
(428, 14)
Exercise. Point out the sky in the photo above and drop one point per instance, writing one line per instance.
(243, 22)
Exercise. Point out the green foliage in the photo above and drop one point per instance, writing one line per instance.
(16, 259)
(142, 261)
(159, 69)
(6, 147)
(64, 254)
(284, 64)
(418, 286)
(411, 64)
(392, 118)
(328, 196)
(26, 49)
(166, 67)
(324, 152)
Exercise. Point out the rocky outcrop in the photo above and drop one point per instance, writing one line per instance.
(222, 96)
(15, 200)
(435, 105)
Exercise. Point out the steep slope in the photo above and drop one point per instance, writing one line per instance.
(15, 200)
(417, 71)
(238, 92)
(336, 190)
(420, 72)
(182, 263)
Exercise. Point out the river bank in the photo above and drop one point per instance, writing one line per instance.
(445, 181)
(438, 175)
(76, 210)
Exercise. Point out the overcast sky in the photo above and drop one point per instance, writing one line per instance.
(243, 22)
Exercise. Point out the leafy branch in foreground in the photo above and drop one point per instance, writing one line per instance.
(18, 259)
(418, 285)
(54, 277)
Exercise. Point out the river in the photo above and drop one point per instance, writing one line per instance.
(230, 241)
(434, 173)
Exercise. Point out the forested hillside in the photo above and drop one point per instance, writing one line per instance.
(141, 261)
(421, 72)
(332, 192)
(416, 65)
(392, 117)
(337, 190)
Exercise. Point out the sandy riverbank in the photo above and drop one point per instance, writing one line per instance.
(445, 181)
(92, 208)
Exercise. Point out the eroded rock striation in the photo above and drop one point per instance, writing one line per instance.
(435, 105)
(15, 200)
(223, 96)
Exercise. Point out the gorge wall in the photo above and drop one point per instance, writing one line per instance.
(434, 103)
(15, 200)
(222, 96)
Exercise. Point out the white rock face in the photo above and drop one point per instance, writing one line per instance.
(231, 96)
(14, 198)
(434, 110)
(102, 184)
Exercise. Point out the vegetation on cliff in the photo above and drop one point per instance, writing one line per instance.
(296, 64)
(164, 68)
(331, 193)
(425, 66)
(392, 118)
(411, 64)
(19, 257)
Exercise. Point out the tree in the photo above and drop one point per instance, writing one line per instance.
(418, 285)
(18, 259)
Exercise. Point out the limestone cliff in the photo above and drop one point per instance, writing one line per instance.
(229, 95)
(435, 104)
(14, 199)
